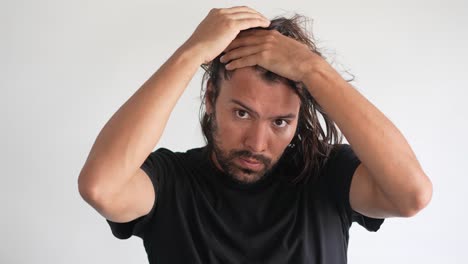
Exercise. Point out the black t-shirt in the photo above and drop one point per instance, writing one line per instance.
(201, 215)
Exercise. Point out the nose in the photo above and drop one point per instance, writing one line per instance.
(256, 138)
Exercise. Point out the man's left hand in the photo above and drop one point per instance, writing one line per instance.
(273, 51)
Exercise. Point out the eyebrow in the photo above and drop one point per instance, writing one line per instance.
(287, 116)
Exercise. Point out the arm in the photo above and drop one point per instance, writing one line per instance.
(134, 130)
(111, 179)
(390, 180)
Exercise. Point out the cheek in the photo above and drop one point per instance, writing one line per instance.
(280, 142)
(229, 133)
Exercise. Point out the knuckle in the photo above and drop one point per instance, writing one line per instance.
(261, 20)
(270, 38)
(267, 46)
(221, 11)
(263, 55)
(233, 64)
(229, 23)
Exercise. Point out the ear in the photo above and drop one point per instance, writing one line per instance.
(209, 97)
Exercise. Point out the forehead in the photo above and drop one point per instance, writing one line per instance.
(247, 85)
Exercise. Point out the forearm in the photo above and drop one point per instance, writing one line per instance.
(377, 142)
(134, 130)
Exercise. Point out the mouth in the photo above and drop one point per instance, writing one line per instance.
(251, 164)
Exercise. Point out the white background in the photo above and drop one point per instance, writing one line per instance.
(67, 66)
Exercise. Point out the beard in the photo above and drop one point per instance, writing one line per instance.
(226, 159)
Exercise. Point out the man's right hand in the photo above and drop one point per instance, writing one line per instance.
(220, 27)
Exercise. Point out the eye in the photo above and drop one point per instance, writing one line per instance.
(242, 114)
(280, 123)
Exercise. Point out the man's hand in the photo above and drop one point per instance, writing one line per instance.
(220, 27)
(273, 51)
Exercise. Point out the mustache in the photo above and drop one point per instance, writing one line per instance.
(249, 154)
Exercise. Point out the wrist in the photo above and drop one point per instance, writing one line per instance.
(190, 52)
(318, 75)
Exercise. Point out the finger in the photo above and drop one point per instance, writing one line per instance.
(243, 15)
(236, 9)
(243, 62)
(241, 52)
(252, 12)
(245, 40)
(239, 9)
(254, 31)
(252, 23)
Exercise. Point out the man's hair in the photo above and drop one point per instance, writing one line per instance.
(311, 145)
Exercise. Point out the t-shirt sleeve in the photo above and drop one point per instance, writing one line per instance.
(341, 166)
(155, 167)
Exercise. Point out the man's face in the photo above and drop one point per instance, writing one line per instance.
(253, 122)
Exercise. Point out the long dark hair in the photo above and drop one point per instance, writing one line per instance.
(311, 145)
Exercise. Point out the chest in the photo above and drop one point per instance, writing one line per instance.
(280, 224)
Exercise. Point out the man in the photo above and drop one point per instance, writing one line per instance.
(271, 186)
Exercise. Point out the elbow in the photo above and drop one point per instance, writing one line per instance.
(86, 191)
(90, 185)
(89, 190)
(419, 200)
(93, 196)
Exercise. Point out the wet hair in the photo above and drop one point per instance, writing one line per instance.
(312, 143)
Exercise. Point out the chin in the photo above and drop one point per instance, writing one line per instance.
(247, 176)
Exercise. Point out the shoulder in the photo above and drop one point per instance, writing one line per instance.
(341, 155)
(340, 149)
(338, 168)
(169, 160)
(167, 154)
